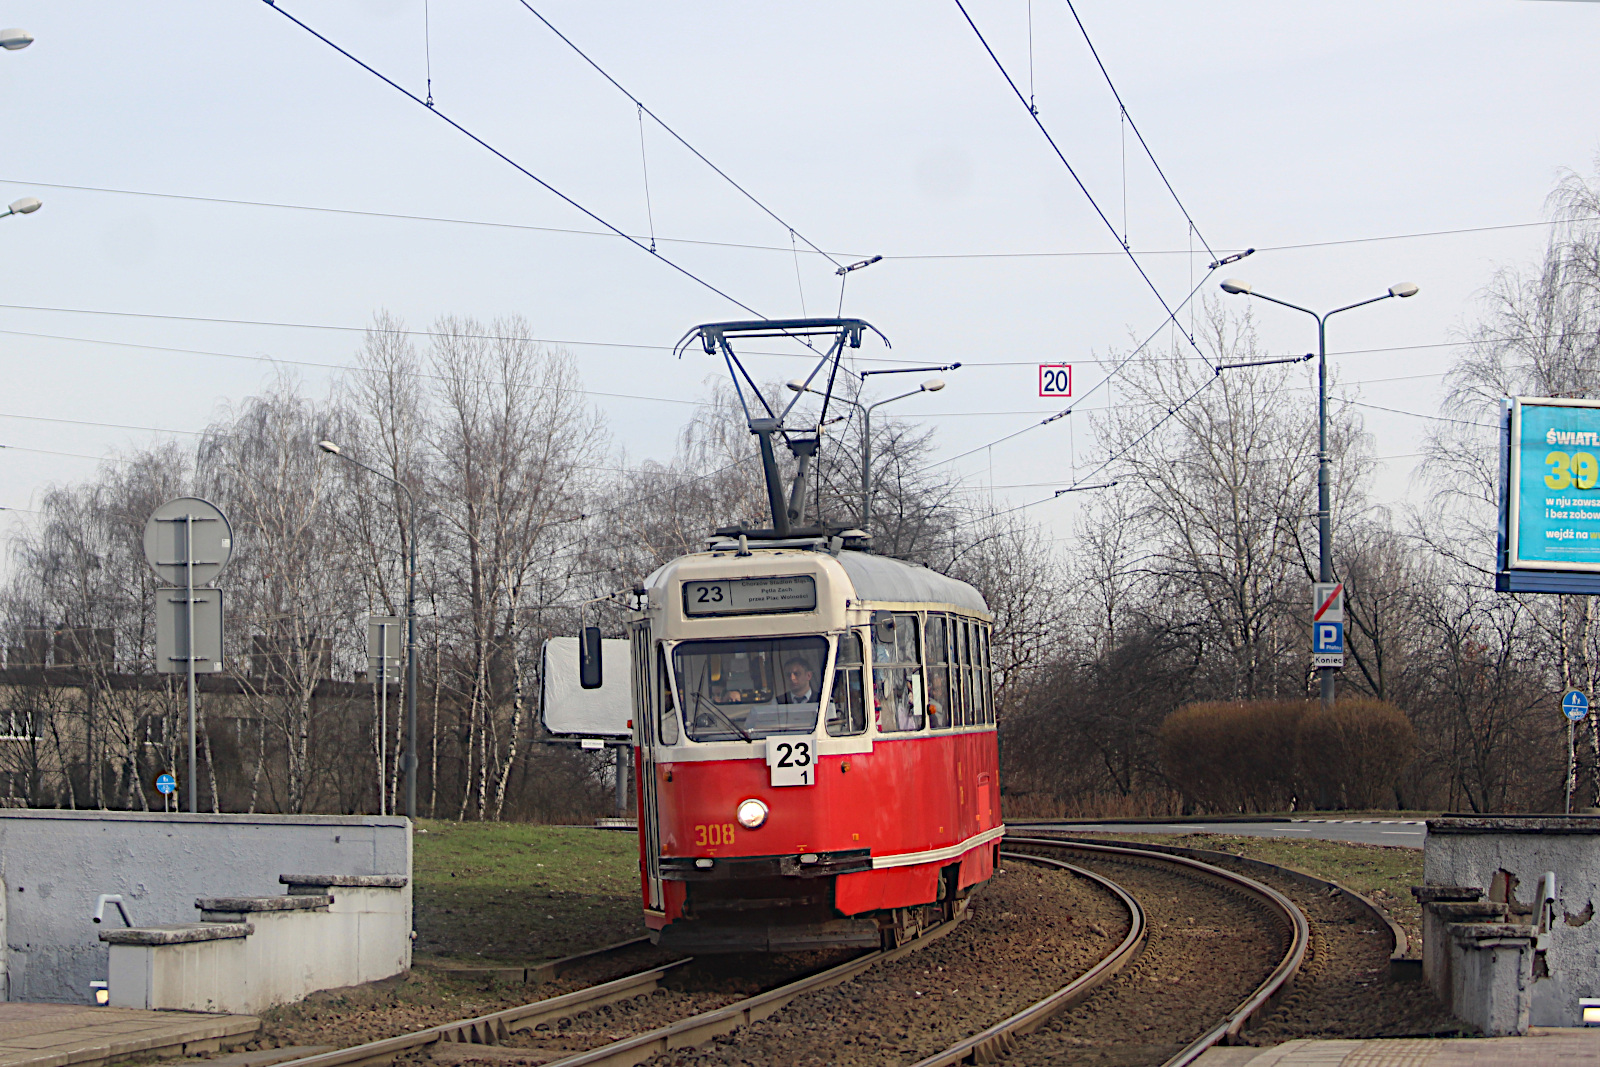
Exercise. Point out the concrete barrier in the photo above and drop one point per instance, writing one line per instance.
(1508, 859)
(250, 953)
(54, 865)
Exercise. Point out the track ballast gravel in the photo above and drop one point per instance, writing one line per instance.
(1029, 932)
(1207, 950)
(1343, 989)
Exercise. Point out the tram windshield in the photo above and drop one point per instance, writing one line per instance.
(750, 688)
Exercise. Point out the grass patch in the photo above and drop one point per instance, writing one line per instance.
(516, 892)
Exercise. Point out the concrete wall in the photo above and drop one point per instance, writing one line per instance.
(1471, 851)
(55, 864)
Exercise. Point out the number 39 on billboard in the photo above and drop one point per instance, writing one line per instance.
(1055, 379)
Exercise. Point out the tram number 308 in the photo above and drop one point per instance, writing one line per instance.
(790, 762)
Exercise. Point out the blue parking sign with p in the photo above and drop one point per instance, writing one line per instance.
(1327, 637)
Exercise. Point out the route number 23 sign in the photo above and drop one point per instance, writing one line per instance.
(1055, 379)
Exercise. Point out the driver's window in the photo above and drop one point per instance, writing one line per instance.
(847, 711)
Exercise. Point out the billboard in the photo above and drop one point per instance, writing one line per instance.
(1550, 498)
(568, 709)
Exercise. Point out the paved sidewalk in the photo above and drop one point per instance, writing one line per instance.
(70, 1035)
(1543, 1047)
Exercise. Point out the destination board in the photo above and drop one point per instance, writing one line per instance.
(750, 596)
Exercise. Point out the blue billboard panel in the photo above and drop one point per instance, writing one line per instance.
(1554, 485)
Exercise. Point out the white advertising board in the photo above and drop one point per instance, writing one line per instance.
(570, 710)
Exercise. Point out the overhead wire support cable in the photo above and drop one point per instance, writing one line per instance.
(1134, 126)
(1079, 484)
(1172, 315)
(420, 102)
(644, 167)
(427, 49)
(1078, 402)
(674, 133)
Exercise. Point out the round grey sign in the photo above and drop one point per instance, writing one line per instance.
(188, 532)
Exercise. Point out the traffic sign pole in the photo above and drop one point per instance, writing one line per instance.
(1575, 706)
(189, 564)
(188, 575)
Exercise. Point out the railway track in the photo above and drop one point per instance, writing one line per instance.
(1293, 936)
(496, 1027)
(1144, 883)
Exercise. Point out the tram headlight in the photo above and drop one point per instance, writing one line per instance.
(751, 814)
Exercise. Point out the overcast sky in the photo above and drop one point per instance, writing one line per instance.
(869, 127)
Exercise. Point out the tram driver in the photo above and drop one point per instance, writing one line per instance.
(800, 682)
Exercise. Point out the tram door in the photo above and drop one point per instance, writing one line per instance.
(645, 715)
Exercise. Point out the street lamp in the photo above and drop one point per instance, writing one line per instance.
(26, 206)
(410, 758)
(932, 385)
(11, 40)
(1235, 287)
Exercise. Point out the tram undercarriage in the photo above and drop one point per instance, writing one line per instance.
(794, 914)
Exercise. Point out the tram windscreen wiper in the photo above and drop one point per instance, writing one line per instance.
(708, 702)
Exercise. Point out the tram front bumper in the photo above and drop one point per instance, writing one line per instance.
(796, 865)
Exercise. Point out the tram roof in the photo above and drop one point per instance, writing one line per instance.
(883, 578)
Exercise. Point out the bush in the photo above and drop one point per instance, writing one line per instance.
(1275, 755)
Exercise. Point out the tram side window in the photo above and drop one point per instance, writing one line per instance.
(664, 702)
(960, 698)
(897, 677)
(986, 675)
(975, 671)
(969, 642)
(938, 646)
(847, 711)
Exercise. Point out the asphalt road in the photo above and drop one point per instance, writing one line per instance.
(1405, 833)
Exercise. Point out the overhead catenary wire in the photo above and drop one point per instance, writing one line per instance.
(674, 133)
(965, 363)
(349, 329)
(1128, 119)
(1067, 411)
(1083, 481)
(1172, 314)
(327, 366)
(481, 142)
(897, 257)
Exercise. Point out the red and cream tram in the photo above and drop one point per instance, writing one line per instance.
(815, 747)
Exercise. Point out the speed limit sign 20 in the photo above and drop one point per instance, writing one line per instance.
(1055, 379)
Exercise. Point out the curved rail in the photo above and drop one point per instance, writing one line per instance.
(989, 1045)
(1265, 995)
(1402, 965)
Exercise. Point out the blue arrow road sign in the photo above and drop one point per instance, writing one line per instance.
(1575, 704)
(166, 783)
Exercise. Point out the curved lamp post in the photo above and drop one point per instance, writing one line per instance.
(1235, 287)
(932, 385)
(410, 758)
